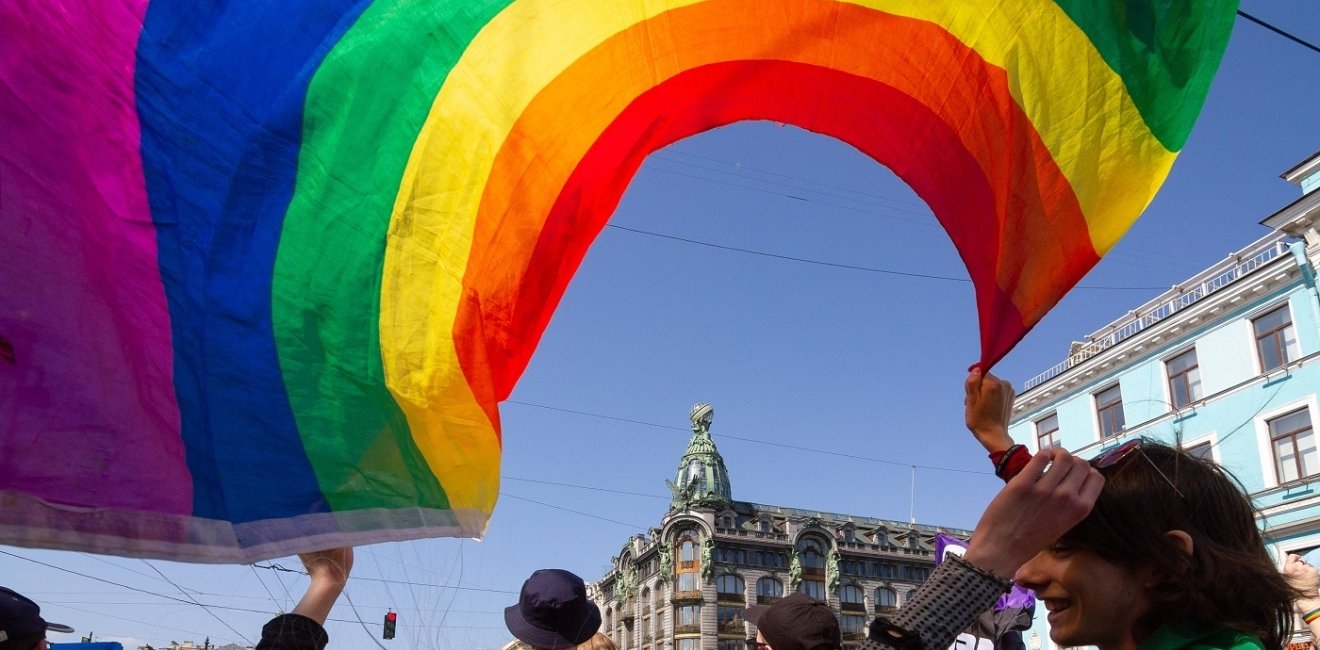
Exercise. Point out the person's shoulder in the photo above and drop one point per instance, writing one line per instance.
(1201, 636)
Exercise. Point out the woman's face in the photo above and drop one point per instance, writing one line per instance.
(1091, 601)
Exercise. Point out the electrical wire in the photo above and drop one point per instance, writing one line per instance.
(277, 567)
(195, 602)
(278, 607)
(1280, 32)
(576, 512)
(583, 487)
(781, 445)
(849, 267)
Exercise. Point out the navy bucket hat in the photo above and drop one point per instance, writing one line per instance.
(553, 611)
(20, 617)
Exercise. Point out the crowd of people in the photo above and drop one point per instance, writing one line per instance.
(1144, 547)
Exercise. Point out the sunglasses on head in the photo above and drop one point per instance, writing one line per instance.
(1120, 453)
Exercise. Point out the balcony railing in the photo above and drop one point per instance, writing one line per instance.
(853, 607)
(766, 600)
(1242, 263)
(686, 596)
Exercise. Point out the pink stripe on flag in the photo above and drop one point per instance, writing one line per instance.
(88, 415)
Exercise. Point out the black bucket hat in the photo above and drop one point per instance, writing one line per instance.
(553, 611)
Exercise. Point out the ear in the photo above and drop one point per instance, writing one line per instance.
(1182, 540)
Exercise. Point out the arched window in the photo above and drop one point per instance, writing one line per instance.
(727, 521)
(768, 588)
(885, 599)
(729, 585)
(687, 546)
(812, 556)
(688, 571)
(765, 525)
(646, 601)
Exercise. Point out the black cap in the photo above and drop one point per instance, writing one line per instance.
(797, 622)
(20, 617)
(553, 611)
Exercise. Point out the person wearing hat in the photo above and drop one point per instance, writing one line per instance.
(552, 612)
(21, 625)
(796, 622)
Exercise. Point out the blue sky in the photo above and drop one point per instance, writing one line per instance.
(862, 364)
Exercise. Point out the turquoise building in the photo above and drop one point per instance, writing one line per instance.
(1225, 364)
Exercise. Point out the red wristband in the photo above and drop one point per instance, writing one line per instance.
(1009, 463)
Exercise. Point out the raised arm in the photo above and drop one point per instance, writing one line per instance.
(1052, 493)
(1306, 580)
(303, 628)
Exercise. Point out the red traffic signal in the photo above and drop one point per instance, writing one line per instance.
(390, 619)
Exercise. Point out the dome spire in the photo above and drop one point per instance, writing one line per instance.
(702, 480)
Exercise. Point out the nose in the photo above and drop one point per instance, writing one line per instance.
(1031, 575)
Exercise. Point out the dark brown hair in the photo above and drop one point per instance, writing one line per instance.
(1229, 578)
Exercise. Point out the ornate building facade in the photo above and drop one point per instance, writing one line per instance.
(684, 584)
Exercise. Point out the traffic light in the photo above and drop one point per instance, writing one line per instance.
(390, 619)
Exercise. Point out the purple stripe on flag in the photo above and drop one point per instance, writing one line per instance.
(87, 408)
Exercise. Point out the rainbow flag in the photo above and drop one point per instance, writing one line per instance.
(269, 268)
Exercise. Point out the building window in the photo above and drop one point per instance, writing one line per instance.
(685, 615)
(687, 644)
(1276, 341)
(688, 582)
(1047, 432)
(732, 644)
(768, 588)
(851, 599)
(813, 588)
(689, 562)
(1109, 408)
(729, 585)
(1201, 450)
(812, 556)
(907, 595)
(765, 525)
(727, 521)
(849, 535)
(885, 599)
(1184, 379)
(730, 619)
(852, 626)
(1293, 441)
(850, 594)
(916, 574)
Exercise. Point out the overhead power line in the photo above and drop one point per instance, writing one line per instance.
(1280, 32)
(829, 452)
(850, 267)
